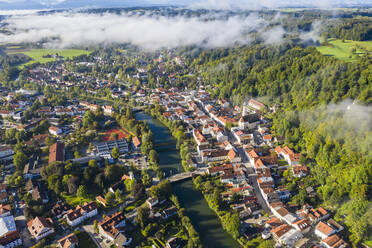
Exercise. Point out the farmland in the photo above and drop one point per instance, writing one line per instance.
(345, 50)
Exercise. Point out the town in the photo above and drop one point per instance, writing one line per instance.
(79, 170)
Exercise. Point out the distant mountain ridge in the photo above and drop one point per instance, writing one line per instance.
(62, 4)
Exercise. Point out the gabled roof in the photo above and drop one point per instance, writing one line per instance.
(68, 241)
(324, 228)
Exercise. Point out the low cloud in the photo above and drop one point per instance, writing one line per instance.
(146, 31)
(345, 120)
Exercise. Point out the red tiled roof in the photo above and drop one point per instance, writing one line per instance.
(56, 152)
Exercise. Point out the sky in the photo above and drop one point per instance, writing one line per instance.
(210, 4)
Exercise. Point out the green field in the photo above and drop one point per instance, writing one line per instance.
(343, 50)
(75, 200)
(37, 54)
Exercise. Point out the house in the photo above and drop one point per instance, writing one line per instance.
(152, 202)
(299, 170)
(334, 241)
(174, 242)
(249, 121)
(136, 142)
(101, 200)
(112, 225)
(40, 228)
(335, 225)
(60, 209)
(53, 130)
(56, 152)
(81, 213)
(287, 153)
(199, 138)
(10, 239)
(323, 230)
(234, 156)
(302, 225)
(69, 241)
(121, 240)
(5, 210)
(108, 110)
(169, 212)
(273, 223)
(9, 236)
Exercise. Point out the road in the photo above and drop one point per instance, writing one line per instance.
(253, 181)
(245, 161)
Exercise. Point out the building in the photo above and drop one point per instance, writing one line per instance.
(323, 230)
(249, 121)
(121, 240)
(56, 152)
(174, 242)
(81, 213)
(112, 225)
(60, 209)
(69, 241)
(53, 130)
(169, 212)
(5, 210)
(256, 104)
(40, 228)
(104, 149)
(152, 202)
(6, 153)
(302, 225)
(32, 168)
(10, 240)
(334, 241)
(101, 200)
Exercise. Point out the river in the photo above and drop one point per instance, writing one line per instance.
(205, 221)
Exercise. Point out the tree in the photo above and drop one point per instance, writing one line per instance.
(95, 227)
(109, 198)
(217, 198)
(117, 195)
(146, 178)
(138, 191)
(92, 163)
(82, 191)
(143, 214)
(153, 156)
(115, 153)
(72, 184)
(19, 160)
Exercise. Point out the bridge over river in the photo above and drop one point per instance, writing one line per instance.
(185, 175)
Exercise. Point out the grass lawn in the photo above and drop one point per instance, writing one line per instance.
(75, 200)
(342, 50)
(37, 54)
(84, 240)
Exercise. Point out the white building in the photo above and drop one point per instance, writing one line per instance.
(81, 213)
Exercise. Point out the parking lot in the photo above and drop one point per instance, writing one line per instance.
(138, 160)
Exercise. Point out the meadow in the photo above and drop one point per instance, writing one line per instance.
(347, 50)
(37, 55)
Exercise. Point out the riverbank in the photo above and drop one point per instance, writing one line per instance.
(205, 221)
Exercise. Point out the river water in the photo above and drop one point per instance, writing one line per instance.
(205, 221)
